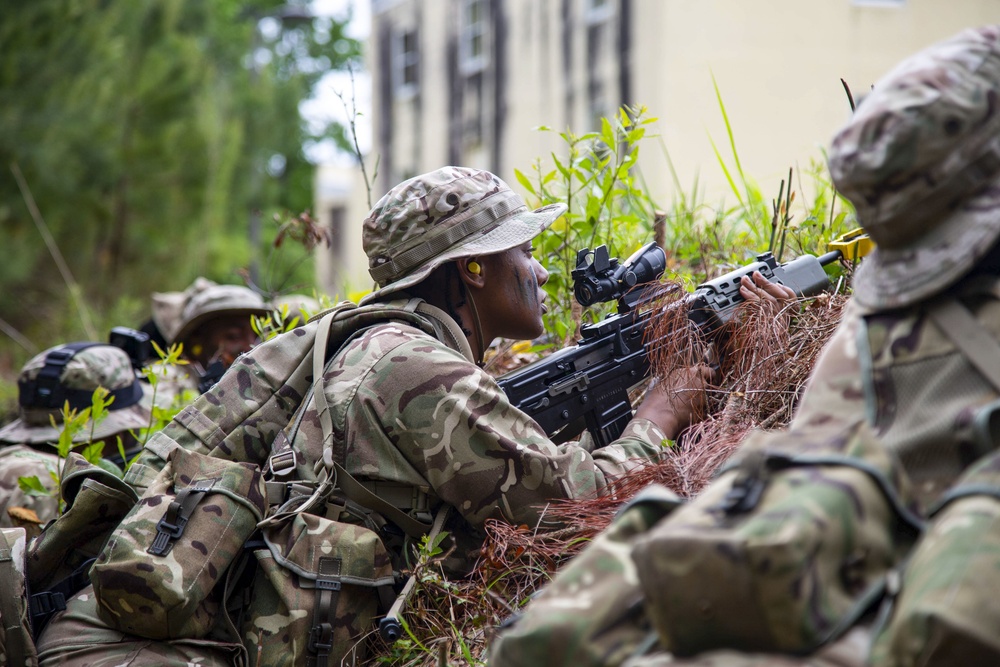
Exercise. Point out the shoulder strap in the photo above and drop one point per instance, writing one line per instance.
(975, 341)
(353, 489)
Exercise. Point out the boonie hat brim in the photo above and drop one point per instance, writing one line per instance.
(20, 431)
(509, 233)
(194, 323)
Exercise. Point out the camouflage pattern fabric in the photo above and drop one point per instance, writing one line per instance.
(78, 638)
(440, 216)
(923, 397)
(411, 410)
(835, 389)
(98, 365)
(291, 570)
(17, 646)
(920, 161)
(851, 650)
(22, 461)
(781, 551)
(592, 613)
(96, 501)
(947, 612)
(156, 574)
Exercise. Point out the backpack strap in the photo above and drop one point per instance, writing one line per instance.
(351, 487)
(974, 340)
(43, 606)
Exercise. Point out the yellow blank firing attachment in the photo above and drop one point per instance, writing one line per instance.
(853, 245)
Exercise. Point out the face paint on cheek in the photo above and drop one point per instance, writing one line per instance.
(528, 287)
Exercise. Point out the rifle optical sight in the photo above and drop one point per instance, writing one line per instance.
(599, 277)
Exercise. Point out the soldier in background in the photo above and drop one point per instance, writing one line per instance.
(212, 323)
(65, 373)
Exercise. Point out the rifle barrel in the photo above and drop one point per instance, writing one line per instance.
(830, 257)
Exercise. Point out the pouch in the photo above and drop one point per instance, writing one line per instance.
(591, 614)
(781, 554)
(947, 611)
(156, 576)
(96, 502)
(316, 591)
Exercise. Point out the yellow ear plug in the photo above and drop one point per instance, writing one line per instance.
(473, 268)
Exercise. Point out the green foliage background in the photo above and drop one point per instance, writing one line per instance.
(146, 132)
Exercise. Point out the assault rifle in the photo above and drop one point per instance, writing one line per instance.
(586, 385)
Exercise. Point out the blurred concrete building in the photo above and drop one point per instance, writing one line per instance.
(469, 81)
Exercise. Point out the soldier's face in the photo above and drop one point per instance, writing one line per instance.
(225, 338)
(514, 294)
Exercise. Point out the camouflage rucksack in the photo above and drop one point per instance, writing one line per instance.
(17, 646)
(781, 553)
(194, 557)
(38, 576)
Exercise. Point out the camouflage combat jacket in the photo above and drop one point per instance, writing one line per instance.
(411, 410)
(927, 402)
(412, 416)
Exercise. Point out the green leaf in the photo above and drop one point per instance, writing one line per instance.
(32, 486)
(525, 182)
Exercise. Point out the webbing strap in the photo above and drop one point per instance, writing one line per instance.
(974, 340)
(16, 647)
(325, 610)
(43, 606)
(171, 526)
(351, 487)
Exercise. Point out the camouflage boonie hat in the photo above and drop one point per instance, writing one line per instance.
(441, 216)
(920, 161)
(206, 300)
(72, 372)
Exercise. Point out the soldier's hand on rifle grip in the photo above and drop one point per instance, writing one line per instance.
(676, 402)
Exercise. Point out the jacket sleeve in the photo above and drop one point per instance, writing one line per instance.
(451, 425)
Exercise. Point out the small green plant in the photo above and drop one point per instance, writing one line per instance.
(74, 422)
(605, 205)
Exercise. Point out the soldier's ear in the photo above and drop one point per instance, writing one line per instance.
(471, 271)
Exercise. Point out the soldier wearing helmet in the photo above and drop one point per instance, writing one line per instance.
(64, 375)
(212, 323)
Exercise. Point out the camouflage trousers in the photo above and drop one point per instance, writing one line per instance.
(78, 638)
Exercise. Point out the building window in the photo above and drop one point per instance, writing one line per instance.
(405, 59)
(473, 35)
(598, 11)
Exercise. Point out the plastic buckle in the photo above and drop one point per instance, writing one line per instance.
(328, 585)
(47, 603)
(315, 635)
(169, 529)
(283, 462)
